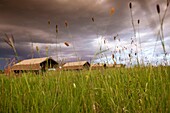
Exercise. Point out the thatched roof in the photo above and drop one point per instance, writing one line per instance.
(30, 64)
(75, 65)
(80, 63)
(32, 61)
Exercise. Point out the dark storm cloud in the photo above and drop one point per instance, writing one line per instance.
(27, 20)
(23, 50)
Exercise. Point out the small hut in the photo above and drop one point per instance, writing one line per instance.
(110, 65)
(119, 65)
(80, 65)
(104, 66)
(35, 65)
(98, 66)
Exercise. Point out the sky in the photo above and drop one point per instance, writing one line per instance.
(28, 21)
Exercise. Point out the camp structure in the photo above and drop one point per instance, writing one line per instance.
(98, 66)
(115, 65)
(80, 65)
(119, 65)
(104, 66)
(34, 65)
(110, 65)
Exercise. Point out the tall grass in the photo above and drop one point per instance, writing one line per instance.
(112, 90)
(9, 40)
(161, 20)
(134, 38)
(71, 36)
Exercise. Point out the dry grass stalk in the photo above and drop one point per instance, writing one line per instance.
(133, 25)
(66, 23)
(70, 35)
(140, 44)
(134, 29)
(57, 52)
(47, 49)
(32, 49)
(38, 50)
(161, 25)
(11, 42)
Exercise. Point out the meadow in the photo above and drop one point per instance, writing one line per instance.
(114, 90)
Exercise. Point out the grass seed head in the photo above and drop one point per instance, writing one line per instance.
(10, 41)
(66, 23)
(158, 8)
(112, 11)
(66, 43)
(129, 55)
(168, 3)
(130, 5)
(114, 37)
(113, 56)
(138, 21)
(92, 19)
(37, 48)
(49, 22)
(56, 28)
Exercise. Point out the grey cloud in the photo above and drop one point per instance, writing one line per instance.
(27, 20)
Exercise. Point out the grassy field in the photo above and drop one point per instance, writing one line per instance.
(133, 90)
